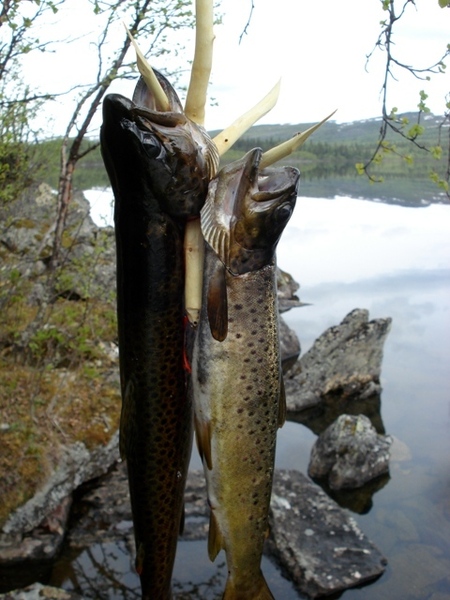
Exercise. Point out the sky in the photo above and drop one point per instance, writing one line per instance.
(317, 48)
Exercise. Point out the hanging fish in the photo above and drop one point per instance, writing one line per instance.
(159, 164)
(237, 382)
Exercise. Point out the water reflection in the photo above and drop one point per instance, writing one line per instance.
(319, 417)
(104, 571)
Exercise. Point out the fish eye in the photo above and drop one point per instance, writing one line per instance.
(283, 212)
(152, 145)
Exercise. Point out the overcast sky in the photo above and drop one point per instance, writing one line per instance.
(317, 48)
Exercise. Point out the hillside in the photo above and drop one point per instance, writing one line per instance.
(330, 155)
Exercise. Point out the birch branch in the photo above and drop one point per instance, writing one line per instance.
(231, 134)
(202, 64)
(282, 150)
(161, 101)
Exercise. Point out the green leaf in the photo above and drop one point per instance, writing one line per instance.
(415, 131)
(444, 3)
(436, 152)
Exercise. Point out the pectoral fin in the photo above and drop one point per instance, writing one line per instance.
(217, 304)
(203, 438)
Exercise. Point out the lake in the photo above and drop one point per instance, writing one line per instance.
(395, 261)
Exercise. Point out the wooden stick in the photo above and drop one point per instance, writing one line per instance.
(161, 101)
(194, 256)
(201, 67)
(231, 134)
(282, 150)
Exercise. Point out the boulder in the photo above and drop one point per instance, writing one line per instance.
(343, 365)
(77, 465)
(349, 453)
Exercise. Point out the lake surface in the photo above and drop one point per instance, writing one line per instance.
(394, 261)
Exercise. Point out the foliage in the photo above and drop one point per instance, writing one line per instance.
(17, 105)
(57, 354)
(410, 131)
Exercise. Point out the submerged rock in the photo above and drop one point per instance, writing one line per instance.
(316, 543)
(343, 364)
(349, 453)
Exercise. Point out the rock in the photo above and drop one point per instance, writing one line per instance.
(343, 364)
(287, 288)
(317, 545)
(349, 453)
(289, 346)
(77, 464)
(42, 543)
(37, 591)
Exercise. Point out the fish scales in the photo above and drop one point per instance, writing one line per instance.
(236, 375)
(159, 168)
(245, 418)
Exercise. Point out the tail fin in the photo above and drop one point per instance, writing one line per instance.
(258, 591)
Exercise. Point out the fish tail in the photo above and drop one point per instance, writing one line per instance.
(259, 591)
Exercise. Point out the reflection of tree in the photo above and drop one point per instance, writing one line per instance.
(103, 571)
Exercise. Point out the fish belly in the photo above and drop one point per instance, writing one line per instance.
(236, 398)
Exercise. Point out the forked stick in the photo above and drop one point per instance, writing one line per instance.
(161, 100)
(195, 111)
(231, 134)
(282, 150)
(201, 67)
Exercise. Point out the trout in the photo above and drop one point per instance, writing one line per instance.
(237, 383)
(159, 165)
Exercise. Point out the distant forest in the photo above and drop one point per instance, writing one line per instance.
(332, 151)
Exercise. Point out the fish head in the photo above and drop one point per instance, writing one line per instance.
(162, 152)
(247, 210)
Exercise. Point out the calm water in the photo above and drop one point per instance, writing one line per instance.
(394, 261)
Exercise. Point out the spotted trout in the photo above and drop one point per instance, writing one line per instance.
(159, 165)
(237, 384)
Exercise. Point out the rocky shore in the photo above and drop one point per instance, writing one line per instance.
(334, 390)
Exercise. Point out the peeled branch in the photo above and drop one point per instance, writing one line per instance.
(194, 256)
(282, 150)
(231, 134)
(161, 101)
(202, 64)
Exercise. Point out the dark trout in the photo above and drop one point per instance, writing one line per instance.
(159, 165)
(236, 372)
